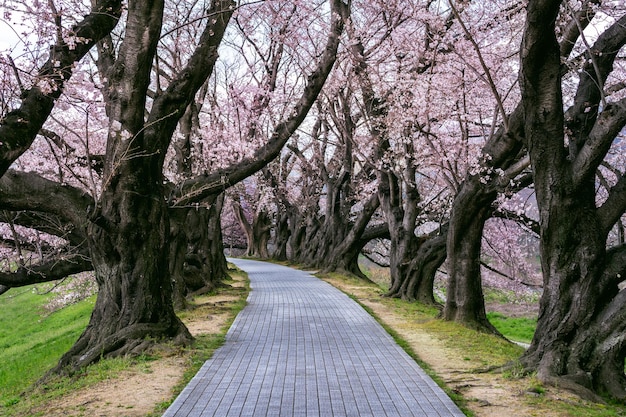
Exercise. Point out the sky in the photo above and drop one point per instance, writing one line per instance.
(8, 38)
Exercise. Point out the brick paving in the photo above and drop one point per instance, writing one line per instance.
(303, 348)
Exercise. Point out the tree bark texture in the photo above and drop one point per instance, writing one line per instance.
(257, 232)
(579, 342)
(129, 229)
(465, 302)
(197, 262)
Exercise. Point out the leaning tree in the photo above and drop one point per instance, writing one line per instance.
(502, 166)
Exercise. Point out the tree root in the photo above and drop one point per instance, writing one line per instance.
(129, 341)
(567, 383)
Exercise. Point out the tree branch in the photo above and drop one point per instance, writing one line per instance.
(29, 191)
(19, 127)
(200, 187)
(47, 271)
(611, 121)
(614, 206)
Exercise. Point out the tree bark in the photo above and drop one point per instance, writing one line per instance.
(129, 229)
(128, 241)
(579, 341)
(257, 233)
(197, 262)
(345, 256)
(420, 279)
(465, 302)
(282, 237)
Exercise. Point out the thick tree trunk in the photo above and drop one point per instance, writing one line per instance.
(399, 201)
(345, 256)
(419, 282)
(465, 301)
(197, 262)
(129, 246)
(579, 342)
(471, 208)
(257, 233)
(129, 229)
(282, 237)
(261, 228)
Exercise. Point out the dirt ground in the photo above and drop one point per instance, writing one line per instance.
(487, 394)
(135, 394)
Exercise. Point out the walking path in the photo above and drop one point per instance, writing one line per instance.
(303, 348)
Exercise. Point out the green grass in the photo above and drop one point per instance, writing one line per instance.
(31, 340)
(519, 329)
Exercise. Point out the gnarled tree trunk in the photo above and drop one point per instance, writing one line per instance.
(197, 262)
(129, 229)
(129, 243)
(257, 232)
(579, 342)
(465, 302)
(419, 282)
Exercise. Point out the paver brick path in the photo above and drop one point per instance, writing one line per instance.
(303, 348)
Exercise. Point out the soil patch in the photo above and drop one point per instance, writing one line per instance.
(131, 394)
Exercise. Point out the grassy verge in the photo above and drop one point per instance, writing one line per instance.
(467, 357)
(518, 329)
(32, 340)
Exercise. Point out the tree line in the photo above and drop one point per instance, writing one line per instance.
(129, 129)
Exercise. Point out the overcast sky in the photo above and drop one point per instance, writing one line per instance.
(8, 38)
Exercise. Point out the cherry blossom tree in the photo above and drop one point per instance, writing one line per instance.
(127, 221)
(579, 341)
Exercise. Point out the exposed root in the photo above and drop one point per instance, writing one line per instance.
(567, 383)
(130, 341)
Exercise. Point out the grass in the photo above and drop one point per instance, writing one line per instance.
(31, 340)
(518, 329)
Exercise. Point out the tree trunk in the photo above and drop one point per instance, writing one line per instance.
(579, 342)
(129, 245)
(261, 227)
(282, 237)
(471, 208)
(197, 262)
(345, 255)
(419, 282)
(257, 233)
(465, 302)
(129, 229)
(399, 201)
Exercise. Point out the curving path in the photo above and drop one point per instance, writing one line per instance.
(303, 348)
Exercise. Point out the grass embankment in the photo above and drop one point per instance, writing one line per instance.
(32, 341)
